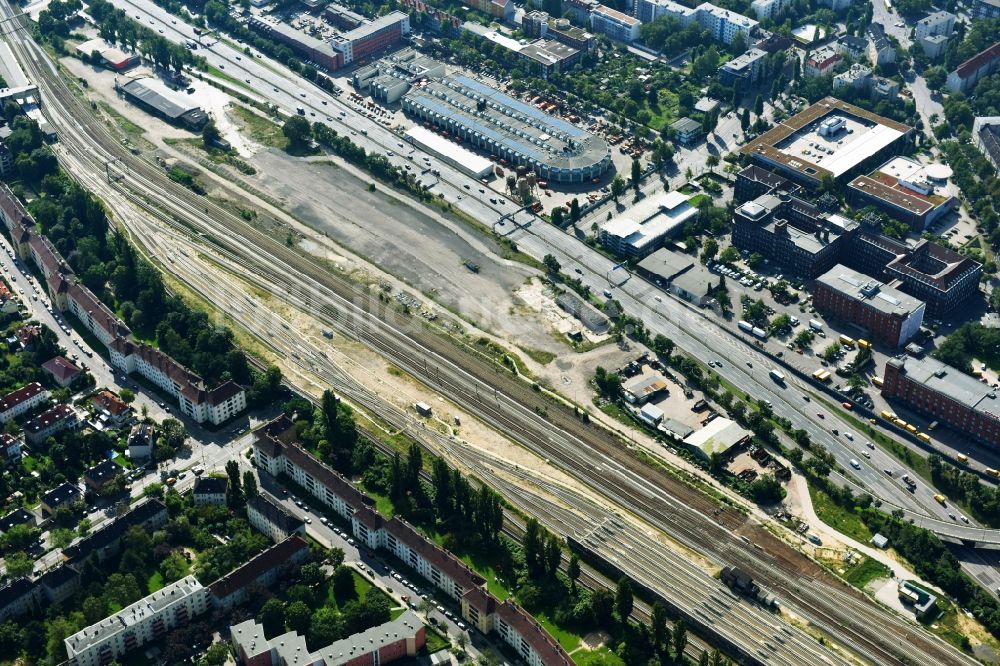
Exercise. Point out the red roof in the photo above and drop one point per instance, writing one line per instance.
(973, 64)
(548, 650)
(110, 401)
(15, 398)
(246, 575)
(61, 368)
(11, 206)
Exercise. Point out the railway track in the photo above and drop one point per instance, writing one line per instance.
(504, 401)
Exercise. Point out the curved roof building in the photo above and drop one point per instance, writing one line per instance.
(554, 149)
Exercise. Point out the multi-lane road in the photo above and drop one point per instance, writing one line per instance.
(850, 620)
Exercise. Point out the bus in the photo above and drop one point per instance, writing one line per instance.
(888, 6)
(887, 415)
(923, 437)
(877, 381)
(962, 458)
(864, 344)
(992, 472)
(822, 376)
(846, 341)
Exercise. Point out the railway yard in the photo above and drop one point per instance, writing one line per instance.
(622, 515)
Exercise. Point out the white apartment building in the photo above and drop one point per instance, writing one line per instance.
(147, 619)
(648, 11)
(938, 23)
(768, 9)
(614, 24)
(725, 24)
(517, 628)
(22, 400)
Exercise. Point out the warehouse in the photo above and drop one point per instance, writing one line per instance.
(831, 138)
(719, 437)
(450, 153)
(155, 97)
(554, 149)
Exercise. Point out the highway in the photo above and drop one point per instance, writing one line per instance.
(509, 408)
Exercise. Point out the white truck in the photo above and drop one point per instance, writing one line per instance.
(777, 375)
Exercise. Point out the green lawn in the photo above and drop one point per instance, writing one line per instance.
(840, 519)
(486, 570)
(698, 198)
(155, 582)
(602, 657)
(567, 639)
(865, 571)
(435, 641)
(262, 130)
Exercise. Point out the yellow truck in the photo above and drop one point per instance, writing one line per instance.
(846, 341)
(864, 344)
(940, 499)
(923, 437)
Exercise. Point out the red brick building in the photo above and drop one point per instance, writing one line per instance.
(888, 314)
(945, 393)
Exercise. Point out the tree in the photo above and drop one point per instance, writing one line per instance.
(729, 255)
(758, 106)
(298, 616)
(60, 537)
(658, 622)
(804, 338)
(249, 484)
(745, 120)
(617, 187)
(551, 264)
(709, 250)
(233, 471)
(127, 396)
(216, 655)
(298, 131)
(766, 489)
(574, 211)
(272, 616)
(935, 77)
(712, 162)
(343, 584)
(830, 352)
(636, 175)
(623, 600)
(755, 260)
(557, 216)
(19, 564)
(210, 134)
(573, 570)
(679, 640)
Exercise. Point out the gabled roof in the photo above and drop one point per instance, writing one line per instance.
(970, 66)
(444, 561)
(61, 368)
(16, 397)
(103, 472)
(272, 558)
(548, 650)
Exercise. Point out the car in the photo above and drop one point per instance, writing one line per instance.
(350, 542)
(448, 614)
(397, 577)
(275, 89)
(323, 102)
(887, 471)
(578, 271)
(848, 435)
(866, 454)
(821, 415)
(806, 398)
(460, 625)
(439, 609)
(248, 81)
(162, 405)
(963, 519)
(284, 491)
(239, 58)
(855, 464)
(307, 519)
(870, 445)
(950, 515)
(749, 364)
(323, 519)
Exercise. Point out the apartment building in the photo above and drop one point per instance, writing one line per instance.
(985, 9)
(276, 452)
(979, 66)
(822, 61)
(746, 68)
(146, 620)
(22, 400)
(149, 515)
(210, 490)
(517, 628)
(55, 420)
(880, 49)
(725, 24)
(614, 24)
(650, 10)
(272, 520)
(944, 393)
(63, 494)
(10, 448)
(768, 9)
(937, 23)
(890, 316)
(403, 637)
(262, 571)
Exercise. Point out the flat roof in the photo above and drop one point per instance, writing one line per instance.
(870, 291)
(666, 264)
(10, 70)
(889, 183)
(745, 60)
(548, 51)
(796, 145)
(449, 149)
(950, 382)
(669, 214)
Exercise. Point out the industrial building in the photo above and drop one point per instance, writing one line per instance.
(687, 131)
(681, 274)
(791, 233)
(305, 46)
(890, 315)
(906, 190)
(450, 152)
(946, 394)
(830, 138)
(543, 56)
(112, 57)
(500, 125)
(368, 38)
(643, 228)
(719, 437)
(155, 97)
